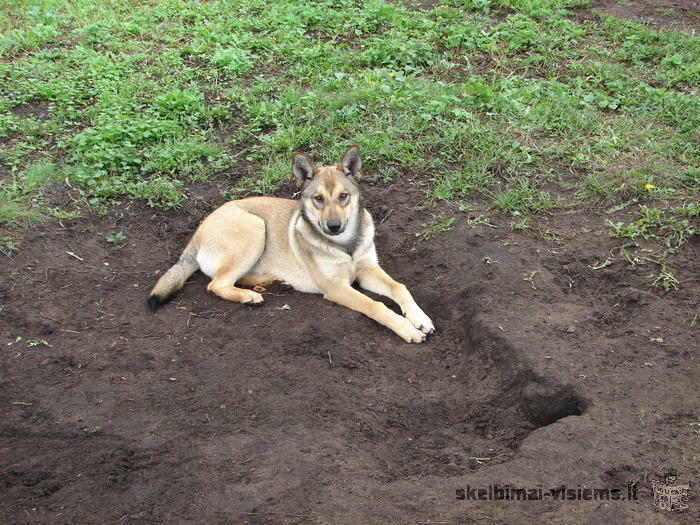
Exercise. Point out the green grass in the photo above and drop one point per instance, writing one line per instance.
(17, 193)
(664, 230)
(435, 226)
(487, 99)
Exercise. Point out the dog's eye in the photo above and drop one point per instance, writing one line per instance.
(343, 196)
(318, 198)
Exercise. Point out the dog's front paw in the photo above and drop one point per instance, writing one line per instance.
(251, 297)
(421, 321)
(409, 333)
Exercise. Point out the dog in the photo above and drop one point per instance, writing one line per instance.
(321, 243)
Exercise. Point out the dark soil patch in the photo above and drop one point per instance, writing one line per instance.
(214, 412)
(673, 14)
(39, 111)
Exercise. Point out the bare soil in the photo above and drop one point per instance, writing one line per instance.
(214, 412)
(542, 372)
(674, 14)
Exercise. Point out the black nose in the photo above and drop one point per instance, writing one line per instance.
(334, 226)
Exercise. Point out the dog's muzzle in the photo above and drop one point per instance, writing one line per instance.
(334, 227)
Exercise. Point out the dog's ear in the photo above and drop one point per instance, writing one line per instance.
(351, 164)
(302, 167)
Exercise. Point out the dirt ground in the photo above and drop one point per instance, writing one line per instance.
(543, 372)
(210, 411)
(674, 14)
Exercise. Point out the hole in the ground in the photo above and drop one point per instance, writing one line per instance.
(474, 409)
(545, 404)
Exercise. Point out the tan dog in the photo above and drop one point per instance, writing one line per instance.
(320, 244)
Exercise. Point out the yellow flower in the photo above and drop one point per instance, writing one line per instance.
(649, 187)
(443, 6)
(392, 74)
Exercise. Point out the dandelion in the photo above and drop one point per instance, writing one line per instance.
(392, 74)
(649, 187)
(443, 6)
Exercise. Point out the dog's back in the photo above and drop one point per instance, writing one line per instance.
(256, 228)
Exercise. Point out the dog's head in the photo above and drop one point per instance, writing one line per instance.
(330, 198)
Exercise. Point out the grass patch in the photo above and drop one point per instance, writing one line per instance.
(20, 202)
(671, 227)
(433, 227)
(665, 231)
(522, 198)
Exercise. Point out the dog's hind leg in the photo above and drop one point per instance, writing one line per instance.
(221, 286)
(257, 282)
(231, 252)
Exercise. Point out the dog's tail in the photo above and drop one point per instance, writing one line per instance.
(174, 278)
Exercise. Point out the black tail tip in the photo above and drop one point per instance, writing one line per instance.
(154, 301)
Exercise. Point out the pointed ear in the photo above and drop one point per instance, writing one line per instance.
(351, 164)
(302, 167)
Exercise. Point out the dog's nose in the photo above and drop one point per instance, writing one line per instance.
(334, 226)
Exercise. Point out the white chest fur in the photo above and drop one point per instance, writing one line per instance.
(322, 257)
